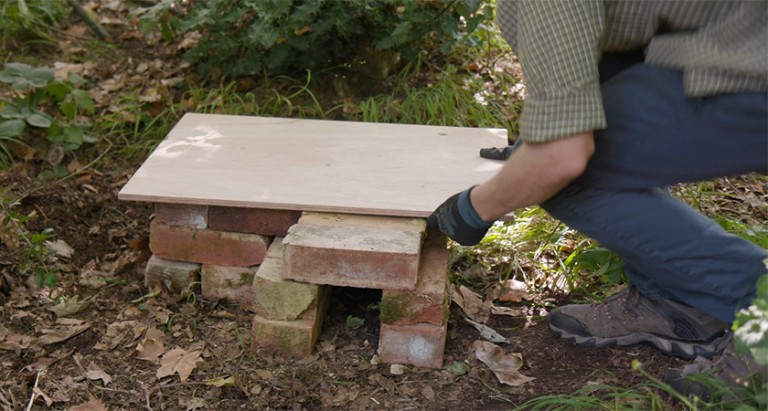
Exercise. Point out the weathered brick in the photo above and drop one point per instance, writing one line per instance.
(354, 251)
(252, 220)
(275, 298)
(188, 215)
(430, 301)
(293, 338)
(231, 284)
(176, 275)
(207, 246)
(421, 345)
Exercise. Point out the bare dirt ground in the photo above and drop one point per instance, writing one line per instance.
(119, 347)
(97, 356)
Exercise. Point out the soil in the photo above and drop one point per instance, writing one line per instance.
(107, 355)
(102, 366)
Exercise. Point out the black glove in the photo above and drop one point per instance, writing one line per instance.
(496, 153)
(457, 219)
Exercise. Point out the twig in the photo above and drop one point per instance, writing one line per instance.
(100, 32)
(34, 394)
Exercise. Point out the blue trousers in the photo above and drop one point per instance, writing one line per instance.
(656, 136)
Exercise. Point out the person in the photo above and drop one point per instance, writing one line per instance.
(625, 98)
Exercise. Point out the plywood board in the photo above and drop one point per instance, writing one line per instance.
(313, 165)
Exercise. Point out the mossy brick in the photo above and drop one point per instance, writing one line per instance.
(422, 345)
(252, 220)
(207, 246)
(176, 274)
(188, 215)
(295, 338)
(275, 298)
(226, 283)
(354, 251)
(429, 302)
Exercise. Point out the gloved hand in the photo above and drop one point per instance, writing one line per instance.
(503, 153)
(457, 219)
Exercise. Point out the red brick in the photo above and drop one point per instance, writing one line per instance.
(207, 246)
(231, 284)
(252, 220)
(174, 275)
(430, 301)
(277, 299)
(354, 251)
(421, 345)
(188, 215)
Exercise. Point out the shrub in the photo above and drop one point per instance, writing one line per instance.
(282, 36)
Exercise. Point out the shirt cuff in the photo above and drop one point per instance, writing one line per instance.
(553, 117)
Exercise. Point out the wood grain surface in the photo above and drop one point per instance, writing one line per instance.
(313, 165)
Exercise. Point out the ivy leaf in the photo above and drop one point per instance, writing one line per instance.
(83, 100)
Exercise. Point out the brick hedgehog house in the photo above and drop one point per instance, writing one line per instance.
(271, 213)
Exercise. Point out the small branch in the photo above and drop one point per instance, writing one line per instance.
(34, 394)
(100, 32)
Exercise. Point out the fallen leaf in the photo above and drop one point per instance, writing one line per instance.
(428, 393)
(514, 291)
(16, 342)
(509, 311)
(505, 366)
(61, 248)
(222, 381)
(151, 347)
(190, 40)
(44, 396)
(180, 361)
(488, 333)
(472, 303)
(116, 334)
(193, 404)
(95, 373)
(64, 329)
(40, 364)
(93, 405)
(71, 306)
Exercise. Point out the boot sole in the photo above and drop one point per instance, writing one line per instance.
(677, 348)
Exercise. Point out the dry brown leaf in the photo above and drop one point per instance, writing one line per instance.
(472, 303)
(93, 405)
(508, 311)
(505, 366)
(95, 373)
(64, 329)
(180, 361)
(151, 347)
(117, 333)
(16, 342)
(71, 306)
(514, 291)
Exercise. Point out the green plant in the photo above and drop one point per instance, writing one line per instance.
(30, 20)
(28, 248)
(354, 323)
(37, 94)
(282, 36)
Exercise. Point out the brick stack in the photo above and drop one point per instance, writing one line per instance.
(281, 265)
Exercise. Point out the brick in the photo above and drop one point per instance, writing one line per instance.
(231, 284)
(430, 301)
(354, 251)
(187, 215)
(207, 246)
(421, 345)
(252, 220)
(179, 275)
(293, 338)
(275, 298)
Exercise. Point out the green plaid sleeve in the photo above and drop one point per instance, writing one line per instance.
(557, 43)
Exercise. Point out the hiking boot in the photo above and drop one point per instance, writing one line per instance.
(739, 373)
(628, 318)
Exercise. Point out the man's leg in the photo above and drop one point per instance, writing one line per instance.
(655, 137)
